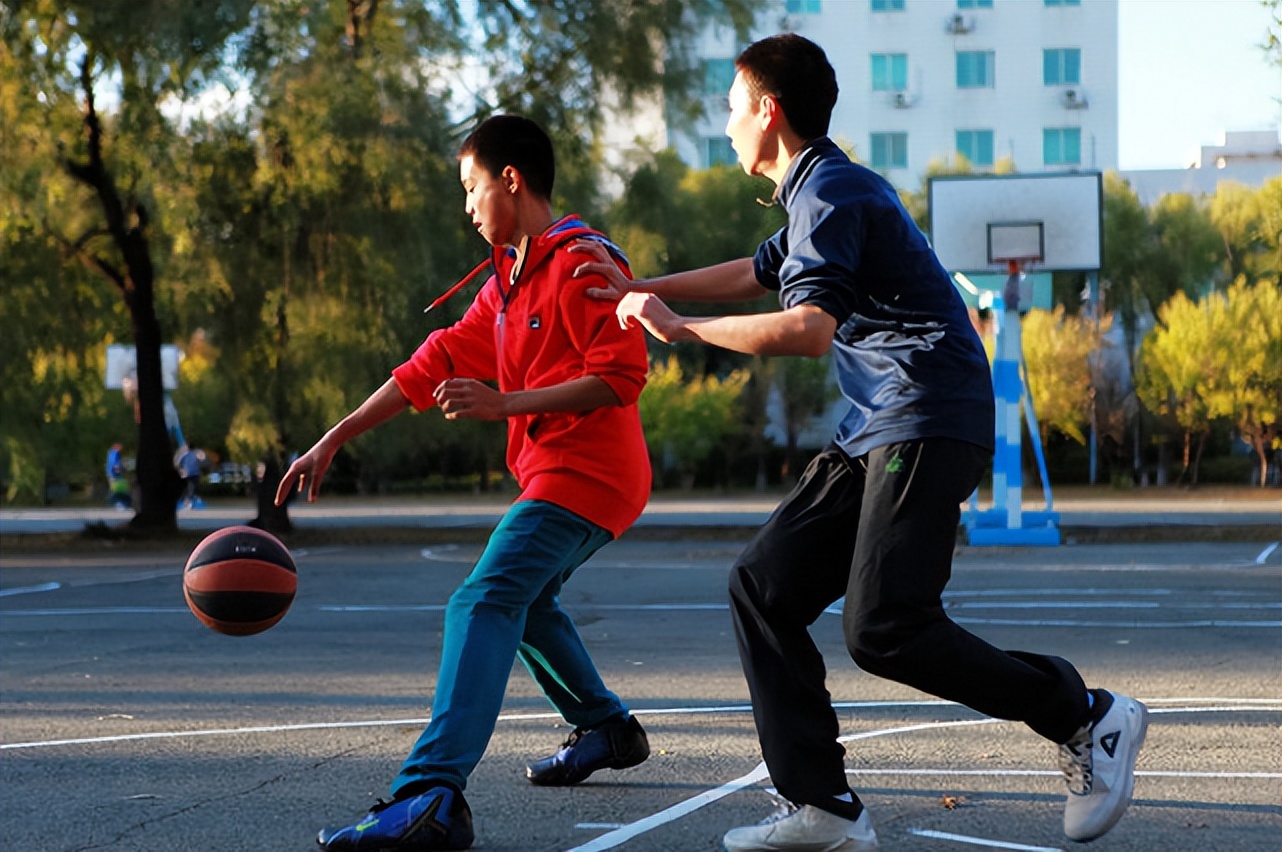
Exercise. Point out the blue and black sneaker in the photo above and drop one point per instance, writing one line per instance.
(435, 818)
(616, 743)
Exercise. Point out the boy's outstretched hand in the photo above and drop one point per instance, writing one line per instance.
(306, 474)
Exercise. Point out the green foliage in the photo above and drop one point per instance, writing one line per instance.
(686, 418)
(1179, 364)
(682, 218)
(1249, 387)
(1057, 347)
(1219, 358)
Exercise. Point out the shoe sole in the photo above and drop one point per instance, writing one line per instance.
(1123, 801)
(850, 844)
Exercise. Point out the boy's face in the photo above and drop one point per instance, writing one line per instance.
(490, 201)
(745, 126)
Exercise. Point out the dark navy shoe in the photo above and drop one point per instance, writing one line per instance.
(613, 744)
(437, 818)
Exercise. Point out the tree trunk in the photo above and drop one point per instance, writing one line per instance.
(272, 518)
(158, 482)
(1197, 458)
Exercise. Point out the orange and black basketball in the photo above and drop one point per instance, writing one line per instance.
(240, 581)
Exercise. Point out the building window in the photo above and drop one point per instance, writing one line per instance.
(890, 150)
(974, 4)
(717, 152)
(1062, 66)
(1063, 2)
(803, 7)
(1062, 146)
(889, 72)
(718, 75)
(888, 5)
(976, 69)
(976, 146)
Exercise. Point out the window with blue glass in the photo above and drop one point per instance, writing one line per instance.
(976, 69)
(1062, 66)
(718, 75)
(976, 146)
(889, 150)
(1062, 146)
(889, 72)
(718, 152)
(974, 4)
(888, 5)
(803, 7)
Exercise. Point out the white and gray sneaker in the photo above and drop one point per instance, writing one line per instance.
(1099, 765)
(804, 828)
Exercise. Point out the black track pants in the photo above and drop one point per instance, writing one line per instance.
(880, 530)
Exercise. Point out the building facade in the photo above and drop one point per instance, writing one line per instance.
(1248, 157)
(1032, 82)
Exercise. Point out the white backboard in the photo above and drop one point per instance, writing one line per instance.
(1069, 209)
(122, 366)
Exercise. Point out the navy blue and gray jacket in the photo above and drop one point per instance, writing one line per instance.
(908, 359)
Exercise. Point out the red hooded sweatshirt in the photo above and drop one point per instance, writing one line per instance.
(533, 327)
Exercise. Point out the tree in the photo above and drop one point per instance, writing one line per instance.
(1189, 249)
(1272, 45)
(686, 419)
(1057, 349)
(68, 56)
(1179, 363)
(1248, 321)
(805, 387)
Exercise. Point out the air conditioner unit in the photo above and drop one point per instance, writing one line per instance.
(1073, 99)
(901, 100)
(960, 25)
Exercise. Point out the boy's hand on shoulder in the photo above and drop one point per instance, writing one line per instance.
(600, 264)
(655, 316)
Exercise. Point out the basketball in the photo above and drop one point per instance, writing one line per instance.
(240, 581)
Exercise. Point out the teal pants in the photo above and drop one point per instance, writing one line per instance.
(509, 606)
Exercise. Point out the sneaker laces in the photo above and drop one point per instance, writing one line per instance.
(575, 735)
(1076, 763)
(783, 810)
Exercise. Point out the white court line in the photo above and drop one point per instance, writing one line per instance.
(980, 841)
(832, 610)
(515, 717)
(1264, 554)
(641, 826)
(1051, 773)
(27, 590)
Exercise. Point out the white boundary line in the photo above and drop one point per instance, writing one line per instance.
(979, 841)
(27, 590)
(1233, 705)
(832, 610)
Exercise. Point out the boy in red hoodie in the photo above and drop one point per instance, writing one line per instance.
(567, 375)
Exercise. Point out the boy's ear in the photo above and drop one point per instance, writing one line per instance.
(771, 113)
(511, 178)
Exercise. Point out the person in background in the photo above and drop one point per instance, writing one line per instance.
(189, 464)
(117, 481)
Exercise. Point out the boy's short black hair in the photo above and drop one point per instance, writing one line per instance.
(512, 140)
(795, 72)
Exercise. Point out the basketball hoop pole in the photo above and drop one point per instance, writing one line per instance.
(1007, 523)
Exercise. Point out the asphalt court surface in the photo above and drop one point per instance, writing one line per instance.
(129, 726)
